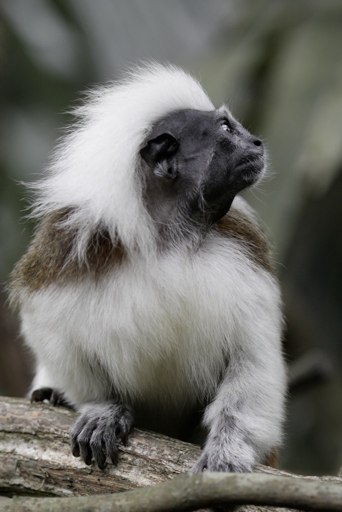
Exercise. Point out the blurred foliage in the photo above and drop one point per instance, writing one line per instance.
(279, 67)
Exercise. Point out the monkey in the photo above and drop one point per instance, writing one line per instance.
(147, 294)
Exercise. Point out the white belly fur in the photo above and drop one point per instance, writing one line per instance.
(159, 332)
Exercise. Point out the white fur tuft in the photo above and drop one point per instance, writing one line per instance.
(92, 170)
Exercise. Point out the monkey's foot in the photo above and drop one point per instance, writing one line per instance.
(98, 432)
(217, 458)
(54, 397)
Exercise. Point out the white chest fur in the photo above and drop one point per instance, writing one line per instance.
(150, 330)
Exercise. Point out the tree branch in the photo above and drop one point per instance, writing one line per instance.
(189, 492)
(35, 460)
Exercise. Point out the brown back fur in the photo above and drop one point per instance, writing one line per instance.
(49, 257)
(240, 227)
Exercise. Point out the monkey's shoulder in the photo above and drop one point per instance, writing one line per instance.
(240, 224)
(51, 258)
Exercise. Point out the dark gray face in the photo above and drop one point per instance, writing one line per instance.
(197, 162)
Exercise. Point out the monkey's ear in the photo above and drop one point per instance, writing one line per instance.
(159, 148)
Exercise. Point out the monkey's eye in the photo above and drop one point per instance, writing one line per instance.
(226, 126)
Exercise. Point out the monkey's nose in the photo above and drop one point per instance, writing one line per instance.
(258, 143)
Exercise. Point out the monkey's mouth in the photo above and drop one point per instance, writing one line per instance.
(254, 161)
(250, 168)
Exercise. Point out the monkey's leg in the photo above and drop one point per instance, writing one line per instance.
(53, 396)
(99, 430)
(102, 425)
(245, 419)
(43, 389)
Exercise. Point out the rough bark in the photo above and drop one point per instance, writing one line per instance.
(35, 460)
(188, 492)
(35, 456)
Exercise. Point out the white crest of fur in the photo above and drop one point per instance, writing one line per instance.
(94, 167)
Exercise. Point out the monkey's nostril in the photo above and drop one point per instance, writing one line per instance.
(257, 142)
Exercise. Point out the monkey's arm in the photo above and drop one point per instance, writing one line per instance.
(100, 427)
(245, 418)
(99, 430)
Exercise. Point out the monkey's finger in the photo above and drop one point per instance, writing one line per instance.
(113, 453)
(83, 440)
(75, 449)
(124, 427)
(121, 433)
(57, 398)
(201, 465)
(98, 447)
(76, 430)
(124, 438)
(110, 442)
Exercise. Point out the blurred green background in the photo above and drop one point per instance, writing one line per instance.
(278, 64)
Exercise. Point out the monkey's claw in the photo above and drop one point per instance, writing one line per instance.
(98, 432)
(54, 397)
(217, 460)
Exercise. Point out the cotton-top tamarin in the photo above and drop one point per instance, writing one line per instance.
(147, 294)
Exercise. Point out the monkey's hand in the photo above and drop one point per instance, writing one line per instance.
(98, 432)
(226, 452)
(53, 396)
